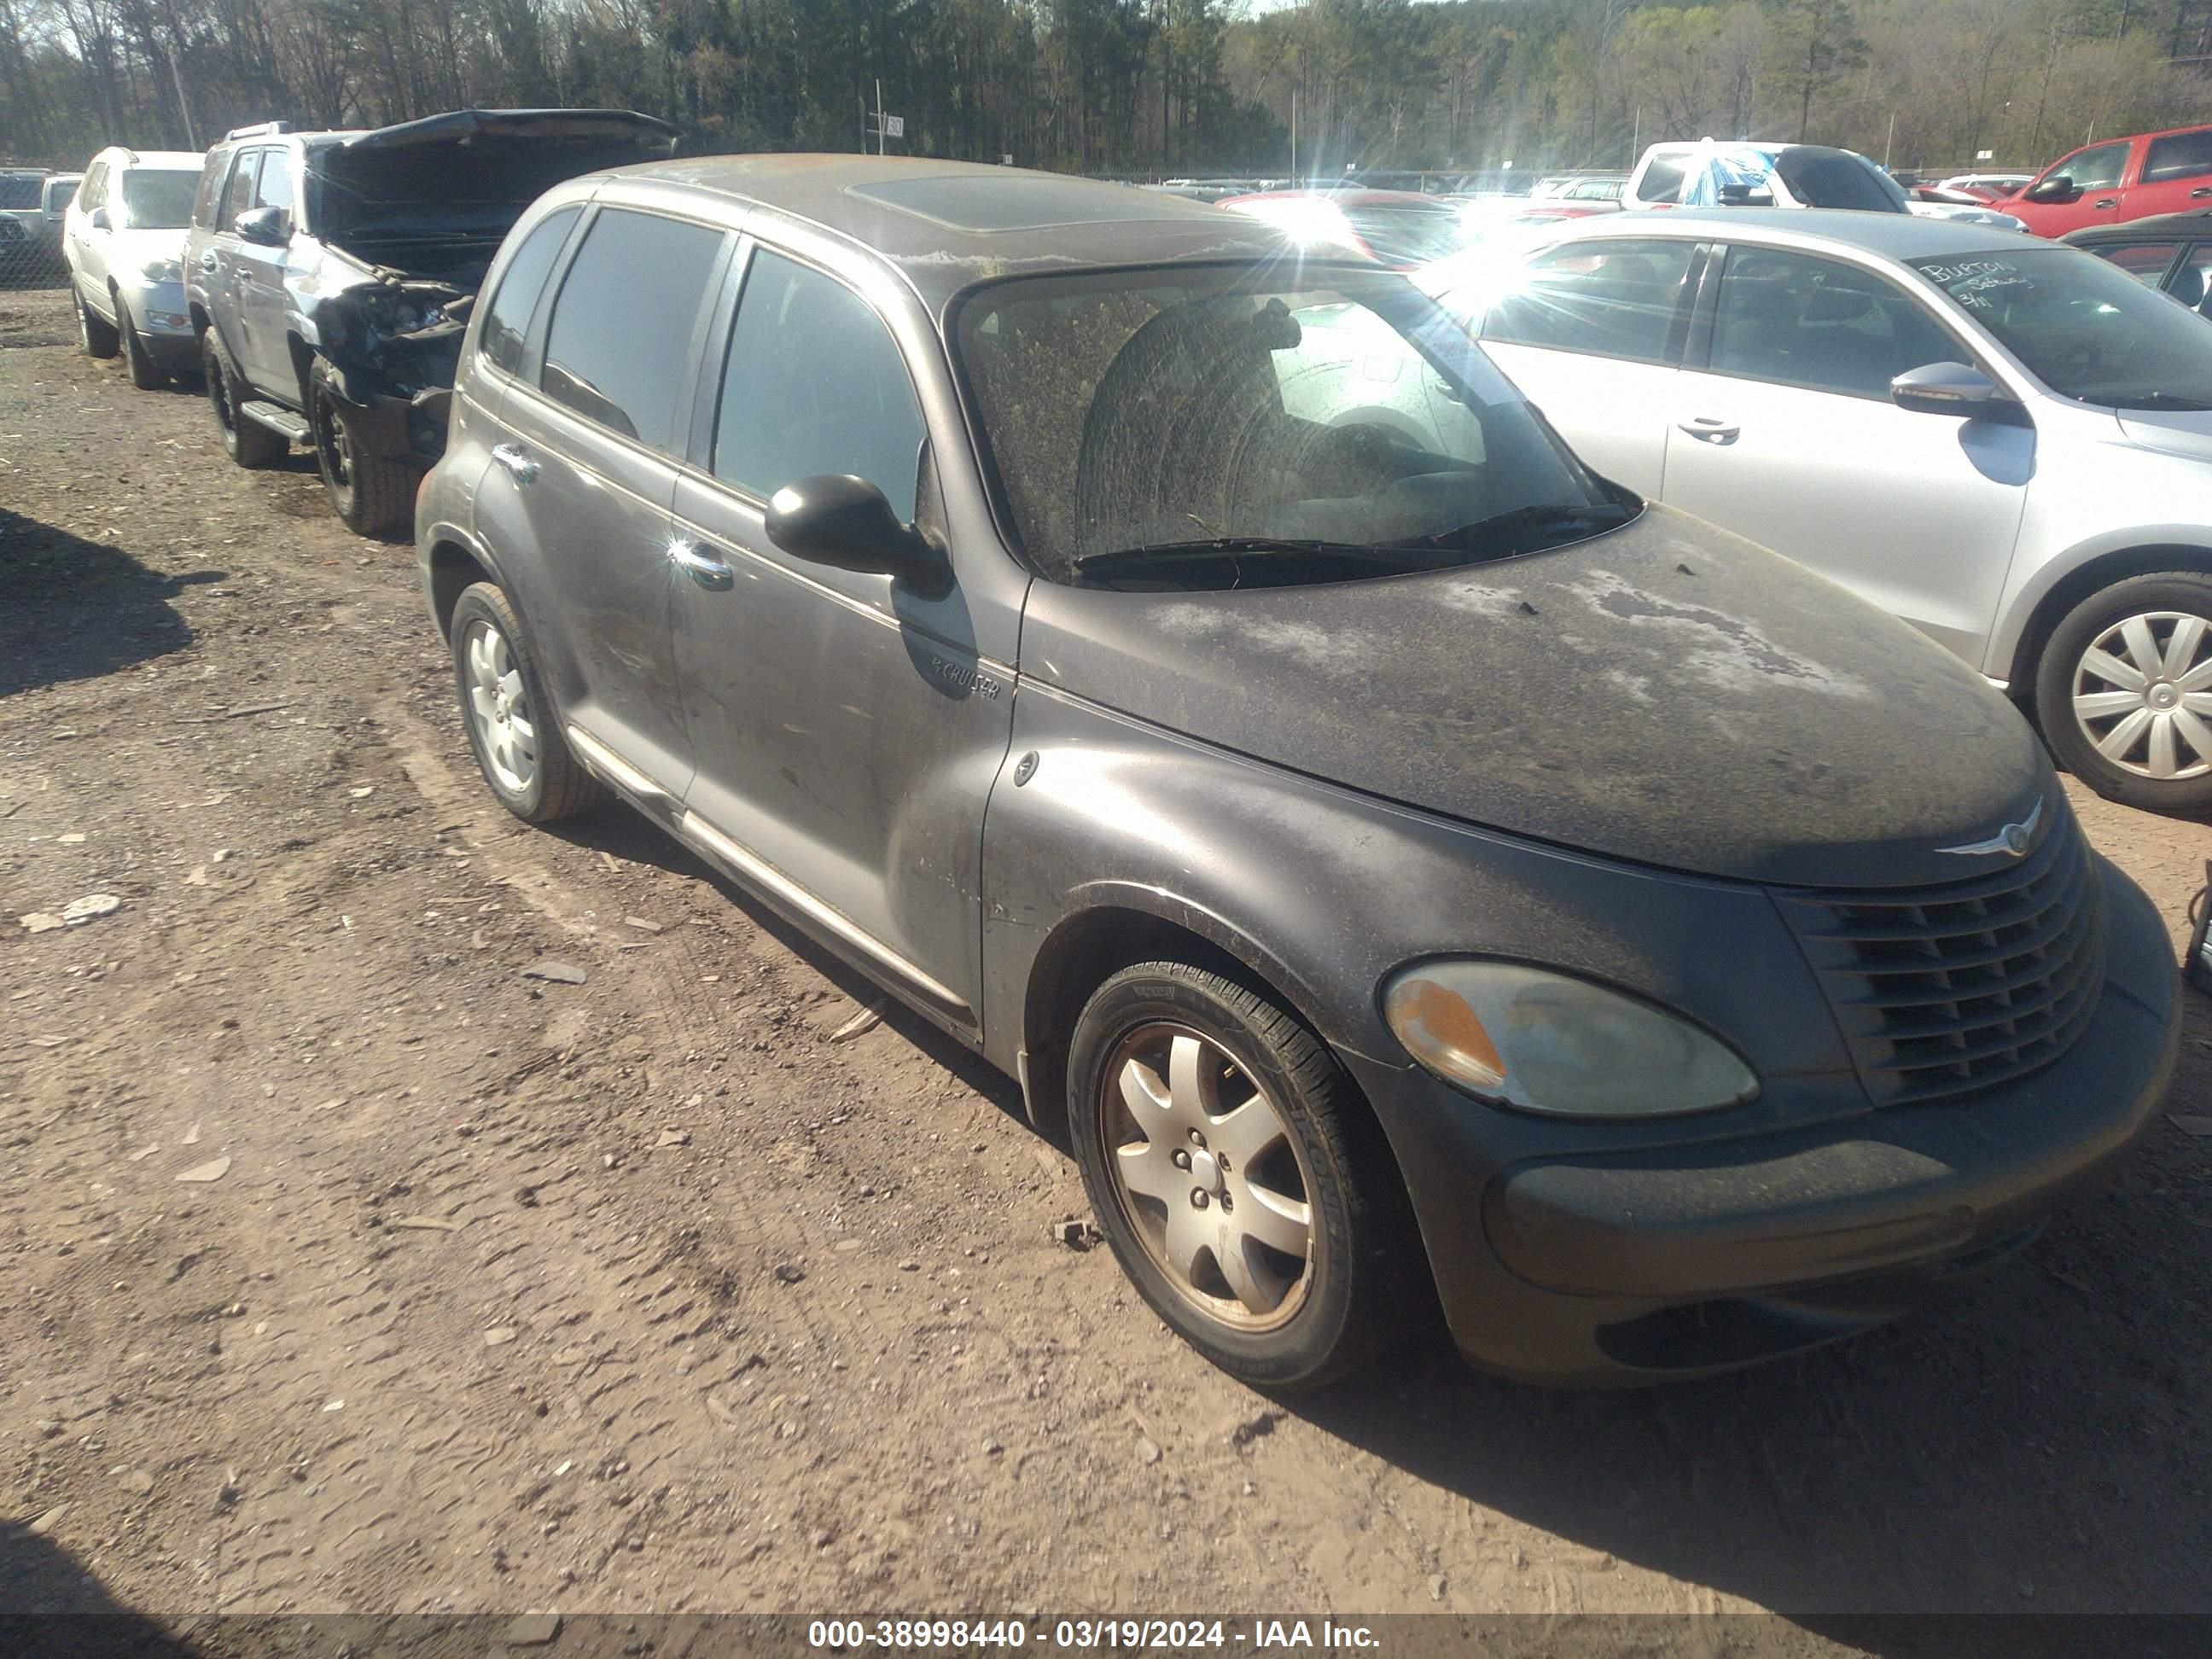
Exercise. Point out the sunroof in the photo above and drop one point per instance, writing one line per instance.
(1016, 202)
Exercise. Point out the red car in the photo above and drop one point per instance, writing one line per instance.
(2117, 179)
(1394, 228)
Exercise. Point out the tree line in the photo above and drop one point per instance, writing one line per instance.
(1136, 88)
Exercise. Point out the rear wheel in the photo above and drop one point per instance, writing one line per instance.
(145, 373)
(511, 721)
(373, 493)
(94, 338)
(244, 440)
(2124, 691)
(1242, 1184)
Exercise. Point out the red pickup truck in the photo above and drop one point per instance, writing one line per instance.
(2118, 179)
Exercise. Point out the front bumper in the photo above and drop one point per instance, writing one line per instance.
(1670, 1261)
(164, 323)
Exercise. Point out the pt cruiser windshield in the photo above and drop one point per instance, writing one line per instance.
(1204, 426)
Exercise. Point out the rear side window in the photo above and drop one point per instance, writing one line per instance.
(623, 323)
(238, 195)
(2185, 155)
(211, 177)
(507, 326)
(1662, 179)
(814, 382)
(1608, 299)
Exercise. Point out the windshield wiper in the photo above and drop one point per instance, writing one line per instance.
(1540, 515)
(1122, 558)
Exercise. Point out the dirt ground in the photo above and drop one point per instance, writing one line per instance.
(348, 1267)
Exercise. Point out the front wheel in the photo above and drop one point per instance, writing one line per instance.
(371, 492)
(2124, 691)
(1242, 1184)
(145, 373)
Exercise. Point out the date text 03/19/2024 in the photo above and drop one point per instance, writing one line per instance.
(1115, 1635)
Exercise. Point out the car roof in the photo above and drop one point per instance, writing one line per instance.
(947, 225)
(2159, 228)
(1890, 235)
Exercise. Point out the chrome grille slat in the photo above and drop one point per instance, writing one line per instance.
(1943, 991)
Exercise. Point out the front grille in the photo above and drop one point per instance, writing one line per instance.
(1944, 990)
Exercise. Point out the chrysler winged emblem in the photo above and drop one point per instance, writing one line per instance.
(2012, 842)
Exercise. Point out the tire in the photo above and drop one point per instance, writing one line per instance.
(372, 495)
(94, 338)
(145, 373)
(552, 784)
(246, 442)
(1361, 1289)
(2155, 751)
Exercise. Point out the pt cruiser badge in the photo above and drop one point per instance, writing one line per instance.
(2013, 841)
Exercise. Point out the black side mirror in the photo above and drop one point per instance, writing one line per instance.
(2056, 188)
(1746, 196)
(268, 227)
(1948, 389)
(844, 522)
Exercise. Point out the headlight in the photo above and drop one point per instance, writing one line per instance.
(162, 271)
(1544, 1042)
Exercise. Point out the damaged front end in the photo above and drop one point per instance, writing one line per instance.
(390, 346)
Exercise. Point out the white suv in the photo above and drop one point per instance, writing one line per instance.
(124, 238)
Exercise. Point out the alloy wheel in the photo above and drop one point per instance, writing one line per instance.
(499, 707)
(334, 444)
(1209, 1176)
(2142, 695)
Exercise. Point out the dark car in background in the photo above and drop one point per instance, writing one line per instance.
(330, 274)
(1412, 868)
(2170, 252)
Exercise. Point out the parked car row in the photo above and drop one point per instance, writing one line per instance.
(1372, 754)
(1368, 776)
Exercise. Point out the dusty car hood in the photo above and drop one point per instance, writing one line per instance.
(520, 126)
(1667, 693)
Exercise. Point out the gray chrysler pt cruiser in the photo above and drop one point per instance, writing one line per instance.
(1411, 870)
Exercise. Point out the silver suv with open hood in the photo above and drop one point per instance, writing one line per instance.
(329, 276)
(1409, 868)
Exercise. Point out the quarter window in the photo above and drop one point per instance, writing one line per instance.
(1820, 324)
(814, 382)
(1609, 299)
(507, 326)
(2185, 155)
(622, 326)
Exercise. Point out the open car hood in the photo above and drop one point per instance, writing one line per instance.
(462, 126)
(1666, 693)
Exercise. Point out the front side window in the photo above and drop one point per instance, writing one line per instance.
(158, 199)
(2095, 169)
(93, 193)
(814, 382)
(621, 335)
(2192, 283)
(2185, 155)
(2085, 331)
(1819, 324)
(275, 188)
(1609, 299)
(238, 195)
(506, 325)
(1198, 426)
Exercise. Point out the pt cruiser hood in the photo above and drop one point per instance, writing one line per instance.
(1667, 693)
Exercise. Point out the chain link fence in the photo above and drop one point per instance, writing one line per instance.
(31, 202)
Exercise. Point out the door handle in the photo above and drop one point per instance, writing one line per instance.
(2105, 202)
(1711, 431)
(516, 459)
(2199, 194)
(709, 572)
